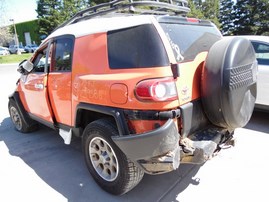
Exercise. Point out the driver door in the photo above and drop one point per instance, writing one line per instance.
(34, 90)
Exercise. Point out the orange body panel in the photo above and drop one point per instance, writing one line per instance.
(34, 95)
(92, 78)
(59, 88)
(141, 126)
(189, 81)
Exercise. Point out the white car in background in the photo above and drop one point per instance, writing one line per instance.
(30, 48)
(13, 49)
(261, 47)
(4, 51)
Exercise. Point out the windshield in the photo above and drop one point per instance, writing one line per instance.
(189, 40)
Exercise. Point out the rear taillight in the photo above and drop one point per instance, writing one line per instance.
(156, 90)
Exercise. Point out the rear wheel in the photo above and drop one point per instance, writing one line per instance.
(108, 165)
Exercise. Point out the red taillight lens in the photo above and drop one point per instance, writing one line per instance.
(192, 20)
(156, 90)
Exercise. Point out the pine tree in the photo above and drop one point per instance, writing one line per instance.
(227, 16)
(195, 8)
(71, 7)
(251, 17)
(52, 13)
(49, 16)
(243, 21)
(259, 16)
(210, 9)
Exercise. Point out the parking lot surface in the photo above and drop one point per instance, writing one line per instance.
(40, 167)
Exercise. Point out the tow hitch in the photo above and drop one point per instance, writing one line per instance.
(203, 145)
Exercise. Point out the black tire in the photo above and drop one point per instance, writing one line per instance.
(108, 165)
(22, 123)
(229, 83)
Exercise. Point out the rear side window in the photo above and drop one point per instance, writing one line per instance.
(63, 54)
(189, 40)
(136, 47)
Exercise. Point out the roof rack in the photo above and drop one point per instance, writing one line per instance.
(178, 7)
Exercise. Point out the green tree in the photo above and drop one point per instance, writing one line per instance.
(251, 17)
(71, 7)
(227, 16)
(52, 13)
(195, 7)
(49, 15)
(210, 9)
(259, 16)
(243, 21)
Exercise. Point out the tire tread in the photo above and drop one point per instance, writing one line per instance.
(131, 175)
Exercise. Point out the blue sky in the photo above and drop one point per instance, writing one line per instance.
(19, 10)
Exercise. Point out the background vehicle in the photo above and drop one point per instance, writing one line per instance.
(261, 47)
(13, 49)
(4, 51)
(30, 48)
(144, 92)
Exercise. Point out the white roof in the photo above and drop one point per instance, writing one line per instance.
(99, 25)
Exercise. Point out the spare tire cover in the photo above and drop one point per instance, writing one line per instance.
(228, 83)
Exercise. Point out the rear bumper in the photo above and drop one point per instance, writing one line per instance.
(156, 151)
(162, 150)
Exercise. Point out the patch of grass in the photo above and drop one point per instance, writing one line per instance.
(14, 58)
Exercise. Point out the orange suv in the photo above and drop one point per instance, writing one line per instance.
(146, 89)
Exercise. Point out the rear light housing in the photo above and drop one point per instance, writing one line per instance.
(163, 89)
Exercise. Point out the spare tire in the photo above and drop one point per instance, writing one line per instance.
(228, 83)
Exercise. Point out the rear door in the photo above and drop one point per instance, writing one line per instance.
(34, 87)
(59, 79)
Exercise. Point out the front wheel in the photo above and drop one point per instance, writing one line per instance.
(22, 124)
(107, 164)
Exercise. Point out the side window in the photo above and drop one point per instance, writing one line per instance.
(262, 52)
(63, 55)
(40, 61)
(136, 47)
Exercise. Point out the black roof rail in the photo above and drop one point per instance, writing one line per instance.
(156, 7)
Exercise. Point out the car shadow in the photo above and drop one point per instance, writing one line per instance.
(259, 121)
(62, 167)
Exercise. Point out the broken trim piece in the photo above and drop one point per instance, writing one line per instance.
(66, 135)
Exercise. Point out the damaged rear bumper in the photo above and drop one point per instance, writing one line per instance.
(156, 151)
(162, 150)
(203, 145)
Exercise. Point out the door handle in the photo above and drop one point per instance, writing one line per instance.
(39, 86)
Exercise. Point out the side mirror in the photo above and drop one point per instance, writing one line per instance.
(25, 67)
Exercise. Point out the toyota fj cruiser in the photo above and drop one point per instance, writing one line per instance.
(146, 89)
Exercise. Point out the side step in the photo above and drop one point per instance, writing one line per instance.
(203, 145)
(66, 135)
